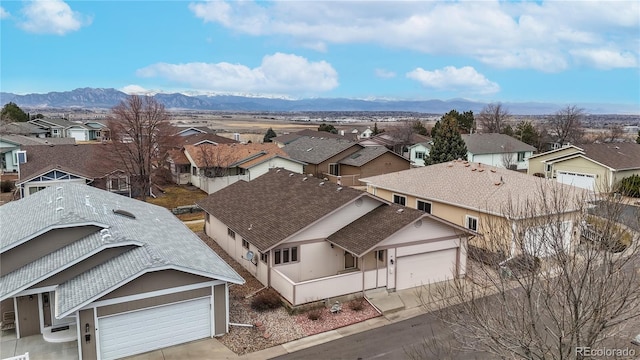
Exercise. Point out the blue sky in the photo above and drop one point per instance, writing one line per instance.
(568, 52)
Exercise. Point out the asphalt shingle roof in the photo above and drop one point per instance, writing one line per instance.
(618, 156)
(474, 186)
(224, 155)
(494, 144)
(315, 150)
(276, 205)
(365, 155)
(165, 241)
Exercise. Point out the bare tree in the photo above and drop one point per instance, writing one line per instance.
(566, 125)
(613, 133)
(140, 138)
(509, 158)
(217, 159)
(554, 301)
(493, 118)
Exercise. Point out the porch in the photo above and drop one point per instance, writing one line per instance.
(344, 283)
(37, 347)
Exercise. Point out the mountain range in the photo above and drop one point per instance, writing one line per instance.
(99, 98)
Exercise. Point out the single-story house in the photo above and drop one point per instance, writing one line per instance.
(513, 212)
(11, 145)
(285, 139)
(212, 167)
(595, 167)
(498, 150)
(117, 275)
(52, 165)
(321, 240)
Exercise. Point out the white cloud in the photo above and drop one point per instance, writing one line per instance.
(543, 35)
(4, 13)
(52, 17)
(137, 90)
(606, 59)
(279, 73)
(385, 74)
(465, 80)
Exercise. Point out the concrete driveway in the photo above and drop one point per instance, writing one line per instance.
(37, 348)
(201, 349)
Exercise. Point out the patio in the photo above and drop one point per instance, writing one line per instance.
(37, 347)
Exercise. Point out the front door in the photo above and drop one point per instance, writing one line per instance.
(28, 315)
(46, 310)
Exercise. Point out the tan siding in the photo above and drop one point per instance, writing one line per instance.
(83, 266)
(89, 351)
(323, 167)
(157, 280)
(387, 163)
(220, 309)
(154, 301)
(536, 165)
(584, 166)
(42, 245)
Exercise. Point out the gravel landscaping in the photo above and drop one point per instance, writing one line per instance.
(274, 327)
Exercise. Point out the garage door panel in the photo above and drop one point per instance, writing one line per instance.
(584, 181)
(426, 268)
(150, 329)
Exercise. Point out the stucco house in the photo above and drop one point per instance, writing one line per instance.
(595, 167)
(498, 150)
(212, 167)
(117, 275)
(320, 240)
(52, 165)
(517, 210)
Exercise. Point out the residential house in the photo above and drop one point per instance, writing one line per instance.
(498, 150)
(22, 128)
(515, 211)
(595, 167)
(419, 152)
(212, 167)
(60, 128)
(197, 139)
(117, 275)
(11, 146)
(365, 134)
(322, 240)
(344, 162)
(46, 166)
(397, 141)
(285, 139)
(194, 130)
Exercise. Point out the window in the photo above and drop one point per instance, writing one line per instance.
(472, 223)
(521, 156)
(194, 171)
(118, 184)
(380, 255)
(245, 244)
(334, 169)
(419, 154)
(264, 258)
(350, 261)
(231, 233)
(399, 199)
(286, 255)
(548, 167)
(423, 206)
(35, 189)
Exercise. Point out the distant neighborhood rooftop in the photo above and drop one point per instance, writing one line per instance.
(494, 144)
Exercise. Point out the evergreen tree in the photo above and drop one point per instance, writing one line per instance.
(376, 130)
(638, 139)
(527, 133)
(508, 130)
(328, 128)
(447, 142)
(434, 129)
(419, 128)
(12, 113)
(269, 135)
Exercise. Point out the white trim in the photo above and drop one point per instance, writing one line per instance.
(29, 179)
(427, 202)
(466, 222)
(393, 196)
(97, 340)
(41, 312)
(157, 306)
(35, 291)
(150, 294)
(556, 150)
(569, 172)
(79, 336)
(226, 300)
(49, 228)
(17, 317)
(212, 314)
(68, 265)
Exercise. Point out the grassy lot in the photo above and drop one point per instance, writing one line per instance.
(175, 196)
(197, 227)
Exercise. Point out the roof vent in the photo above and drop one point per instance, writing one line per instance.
(278, 170)
(493, 170)
(338, 189)
(304, 179)
(290, 174)
(399, 211)
(124, 213)
(481, 170)
(474, 169)
(309, 149)
(321, 183)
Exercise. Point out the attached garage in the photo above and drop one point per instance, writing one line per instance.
(78, 134)
(543, 241)
(154, 328)
(585, 181)
(426, 268)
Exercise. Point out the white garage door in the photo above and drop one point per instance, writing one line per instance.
(426, 268)
(543, 241)
(79, 135)
(585, 181)
(150, 329)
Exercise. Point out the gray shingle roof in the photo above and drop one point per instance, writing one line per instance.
(365, 155)
(275, 206)
(494, 144)
(165, 240)
(315, 150)
(618, 156)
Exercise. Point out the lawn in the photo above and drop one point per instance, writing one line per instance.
(175, 196)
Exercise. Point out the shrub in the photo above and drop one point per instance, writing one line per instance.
(315, 314)
(522, 265)
(6, 186)
(630, 186)
(266, 300)
(484, 256)
(612, 237)
(357, 304)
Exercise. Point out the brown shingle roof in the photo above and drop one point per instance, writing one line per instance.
(224, 155)
(275, 205)
(197, 138)
(494, 144)
(619, 156)
(178, 157)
